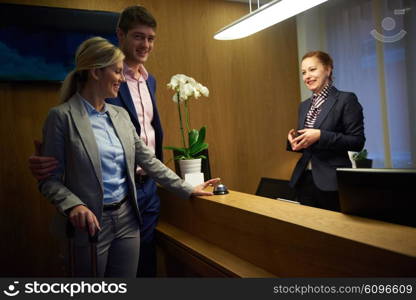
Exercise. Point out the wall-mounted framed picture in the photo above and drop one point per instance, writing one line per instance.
(38, 43)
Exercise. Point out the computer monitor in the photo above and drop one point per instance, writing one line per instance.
(384, 194)
(275, 189)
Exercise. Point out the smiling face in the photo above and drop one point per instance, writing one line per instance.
(315, 75)
(110, 79)
(137, 43)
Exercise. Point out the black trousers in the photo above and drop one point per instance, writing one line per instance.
(308, 193)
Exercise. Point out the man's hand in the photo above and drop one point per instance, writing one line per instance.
(199, 189)
(81, 216)
(306, 138)
(41, 166)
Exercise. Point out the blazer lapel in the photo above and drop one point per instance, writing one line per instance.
(127, 100)
(304, 111)
(326, 107)
(83, 125)
(123, 134)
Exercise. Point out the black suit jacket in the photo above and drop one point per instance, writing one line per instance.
(341, 122)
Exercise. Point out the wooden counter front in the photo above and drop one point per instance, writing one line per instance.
(242, 235)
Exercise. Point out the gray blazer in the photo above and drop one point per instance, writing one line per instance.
(68, 136)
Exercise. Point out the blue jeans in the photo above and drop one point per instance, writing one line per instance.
(149, 205)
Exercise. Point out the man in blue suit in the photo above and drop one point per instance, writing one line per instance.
(136, 34)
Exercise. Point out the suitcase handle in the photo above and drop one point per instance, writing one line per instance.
(70, 233)
(93, 239)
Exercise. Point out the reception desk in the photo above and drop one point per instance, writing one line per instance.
(243, 235)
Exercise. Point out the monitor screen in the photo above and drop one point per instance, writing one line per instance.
(38, 43)
(384, 194)
(275, 189)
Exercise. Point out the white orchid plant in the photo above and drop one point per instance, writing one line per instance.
(185, 88)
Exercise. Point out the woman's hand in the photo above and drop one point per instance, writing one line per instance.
(81, 216)
(306, 138)
(291, 136)
(199, 189)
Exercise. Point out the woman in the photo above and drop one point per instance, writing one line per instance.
(97, 149)
(330, 123)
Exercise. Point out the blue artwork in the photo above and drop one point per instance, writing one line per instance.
(39, 43)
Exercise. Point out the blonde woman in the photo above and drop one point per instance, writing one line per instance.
(97, 149)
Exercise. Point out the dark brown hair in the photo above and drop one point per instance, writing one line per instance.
(135, 15)
(324, 58)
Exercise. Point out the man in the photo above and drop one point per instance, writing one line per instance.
(136, 34)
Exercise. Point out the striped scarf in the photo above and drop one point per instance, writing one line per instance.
(315, 109)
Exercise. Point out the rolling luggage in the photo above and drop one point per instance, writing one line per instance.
(71, 251)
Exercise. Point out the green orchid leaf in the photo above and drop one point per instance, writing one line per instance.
(179, 157)
(193, 137)
(180, 150)
(201, 134)
(201, 156)
(198, 148)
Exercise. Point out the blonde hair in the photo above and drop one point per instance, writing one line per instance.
(94, 53)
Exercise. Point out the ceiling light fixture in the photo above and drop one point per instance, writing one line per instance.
(263, 17)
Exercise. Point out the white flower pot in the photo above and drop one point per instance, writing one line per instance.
(190, 166)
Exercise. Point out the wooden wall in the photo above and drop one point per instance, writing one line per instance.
(254, 93)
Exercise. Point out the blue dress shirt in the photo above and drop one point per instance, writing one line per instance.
(113, 164)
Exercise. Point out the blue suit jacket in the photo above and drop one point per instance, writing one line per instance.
(341, 123)
(124, 100)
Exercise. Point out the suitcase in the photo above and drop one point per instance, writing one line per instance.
(70, 231)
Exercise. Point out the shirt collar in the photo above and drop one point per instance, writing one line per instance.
(129, 73)
(91, 109)
(324, 93)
